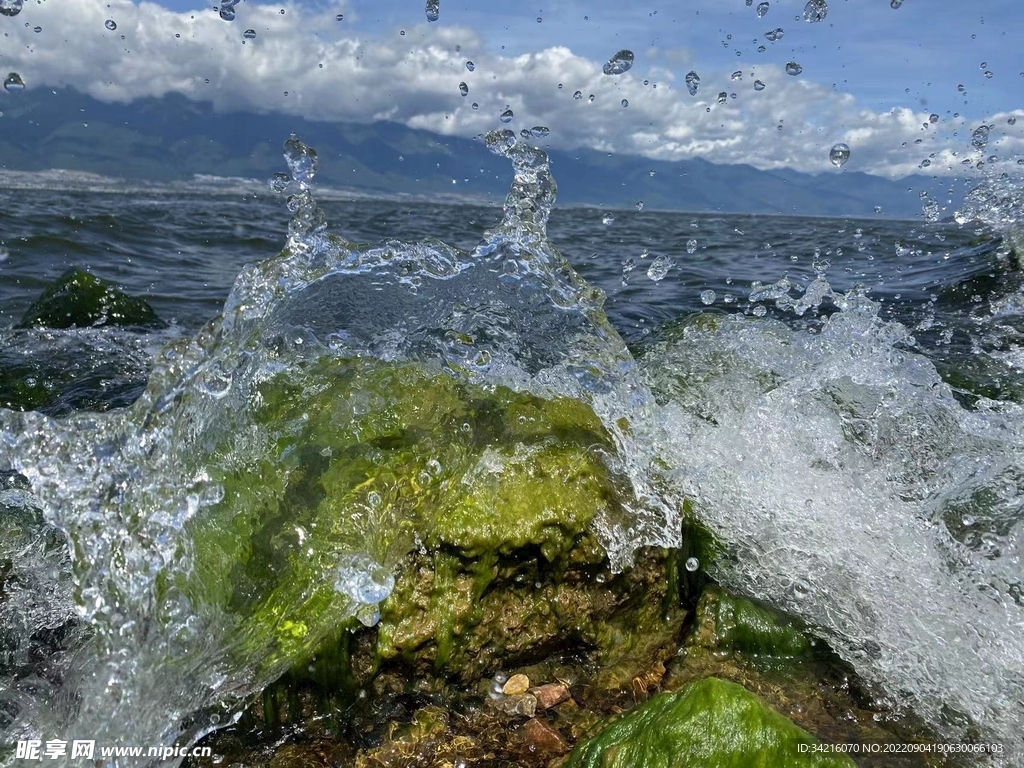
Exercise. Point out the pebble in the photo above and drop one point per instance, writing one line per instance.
(516, 685)
(541, 738)
(550, 695)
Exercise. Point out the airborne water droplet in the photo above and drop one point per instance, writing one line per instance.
(692, 82)
(792, 68)
(758, 85)
(933, 118)
(470, 66)
(773, 35)
(11, 7)
(762, 9)
(433, 10)
(639, 205)
(540, 131)
(723, 97)
(894, 4)
(839, 154)
(707, 297)
(737, 75)
(691, 246)
(692, 564)
(624, 102)
(607, 219)
(619, 63)
(110, 24)
(578, 95)
(13, 83)
(463, 89)
(815, 11)
(979, 139)
(507, 115)
(301, 159)
(659, 269)
(249, 34)
(227, 11)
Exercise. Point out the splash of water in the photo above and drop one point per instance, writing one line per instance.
(141, 493)
(854, 490)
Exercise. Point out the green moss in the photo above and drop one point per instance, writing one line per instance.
(81, 300)
(709, 724)
(727, 623)
(381, 459)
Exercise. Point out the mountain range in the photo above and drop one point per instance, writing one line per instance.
(173, 138)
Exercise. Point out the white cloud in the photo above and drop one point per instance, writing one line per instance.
(331, 73)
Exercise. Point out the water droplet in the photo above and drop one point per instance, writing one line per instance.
(340, 17)
(363, 579)
(475, 105)
(301, 159)
(470, 66)
(801, 589)
(607, 219)
(249, 34)
(13, 83)
(540, 131)
(401, 32)
(1011, 121)
(933, 118)
(639, 205)
(894, 4)
(624, 102)
(792, 68)
(988, 73)
(762, 9)
(578, 95)
(979, 139)
(691, 246)
(815, 11)
(464, 89)
(723, 97)
(659, 269)
(507, 115)
(707, 297)
(110, 24)
(11, 7)
(433, 10)
(619, 63)
(839, 154)
(692, 82)
(692, 564)
(758, 85)
(774, 34)
(737, 75)
(227, 12)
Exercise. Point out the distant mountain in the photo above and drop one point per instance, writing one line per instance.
(173, 138)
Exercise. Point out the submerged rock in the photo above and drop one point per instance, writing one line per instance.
(81, 300)
(726, 623)
(711, 723)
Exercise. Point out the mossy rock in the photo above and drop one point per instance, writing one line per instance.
(479, 500)
(81, 300)
(729, 624)
(709, 724)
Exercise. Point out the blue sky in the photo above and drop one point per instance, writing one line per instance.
(871, 74)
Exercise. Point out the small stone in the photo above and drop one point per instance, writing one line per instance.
(516, 685)
(524, 704)
(540, 737)
(550, 695)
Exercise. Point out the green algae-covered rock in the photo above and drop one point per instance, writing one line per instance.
(478, 501)
(709, 724)
(81, 300)
(730, 624)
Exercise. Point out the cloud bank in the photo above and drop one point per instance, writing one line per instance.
(301, 60)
